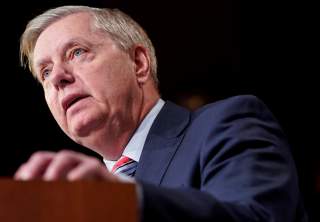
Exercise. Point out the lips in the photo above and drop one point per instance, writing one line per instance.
(71, 99)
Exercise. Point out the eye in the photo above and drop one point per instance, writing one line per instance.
(45, 74)
(78, 52)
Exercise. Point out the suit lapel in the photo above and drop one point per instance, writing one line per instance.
(162, 142)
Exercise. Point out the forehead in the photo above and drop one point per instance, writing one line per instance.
(79, 24)
(56, 35)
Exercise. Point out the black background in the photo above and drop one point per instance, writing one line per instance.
(209, 49)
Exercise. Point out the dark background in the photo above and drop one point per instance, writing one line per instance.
(207, 50)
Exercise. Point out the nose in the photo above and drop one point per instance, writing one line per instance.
(61, 76)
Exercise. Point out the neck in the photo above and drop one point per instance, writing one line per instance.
(115, 150)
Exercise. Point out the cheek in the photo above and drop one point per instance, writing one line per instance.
(53, 104)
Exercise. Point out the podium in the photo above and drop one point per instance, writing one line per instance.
(63, 201)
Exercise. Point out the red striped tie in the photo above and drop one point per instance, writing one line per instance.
(126, 166)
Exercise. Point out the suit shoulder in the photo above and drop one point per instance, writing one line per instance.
(241, 101)
(234, 108)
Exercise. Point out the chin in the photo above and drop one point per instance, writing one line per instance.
(82, 130)
(85, 127)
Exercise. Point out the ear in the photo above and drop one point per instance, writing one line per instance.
(142, 64)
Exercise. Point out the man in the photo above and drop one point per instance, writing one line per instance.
(228, 161)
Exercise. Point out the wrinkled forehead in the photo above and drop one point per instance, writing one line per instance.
(74, 24)
(61, 32)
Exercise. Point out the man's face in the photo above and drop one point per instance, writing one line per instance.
(90, 84)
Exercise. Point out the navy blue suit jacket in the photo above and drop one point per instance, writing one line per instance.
(228, 161)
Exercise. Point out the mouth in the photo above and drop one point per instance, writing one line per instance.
(70, 100)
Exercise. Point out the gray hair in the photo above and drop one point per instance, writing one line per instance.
(123, 30)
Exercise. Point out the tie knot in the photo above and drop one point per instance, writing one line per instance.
(125, 165)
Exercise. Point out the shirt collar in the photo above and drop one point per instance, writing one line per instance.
(134, 147)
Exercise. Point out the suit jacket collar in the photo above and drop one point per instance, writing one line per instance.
(162, 142)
